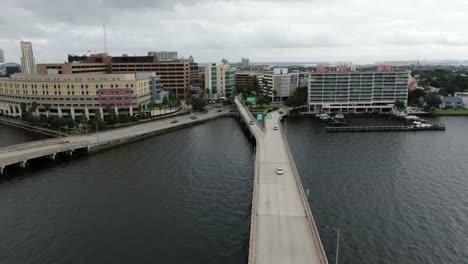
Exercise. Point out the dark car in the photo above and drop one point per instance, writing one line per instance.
(219, 110)
(193, 117)
(174, 121)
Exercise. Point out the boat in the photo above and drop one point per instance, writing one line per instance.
(324, 117)
(339, 116)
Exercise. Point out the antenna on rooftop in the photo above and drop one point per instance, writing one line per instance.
(105, 41)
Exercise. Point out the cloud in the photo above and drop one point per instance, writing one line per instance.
(263, 30)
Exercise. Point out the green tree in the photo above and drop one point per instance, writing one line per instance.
(261, 101)
(170, 104)
(83, 122)
(198, 103)
(165, 101)
(414, 95)
(112, 118)
(151, 104)
(400, 105)
(432, 100)
(33, 107)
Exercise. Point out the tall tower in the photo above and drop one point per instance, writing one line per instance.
(28, 63)
(2, 56)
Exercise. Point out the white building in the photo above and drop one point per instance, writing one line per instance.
(2, 56)
(28, 63)
(220, 79)
(464, 97)
(343, 90)
(280, 85)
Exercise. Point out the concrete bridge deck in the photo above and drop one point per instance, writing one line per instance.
(22, 153)
(282, 229)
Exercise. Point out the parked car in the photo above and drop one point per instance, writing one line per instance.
(174, 121)
(279, 171)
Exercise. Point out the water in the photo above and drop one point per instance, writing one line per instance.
(398, 197)
(13, 135)
(183, 197)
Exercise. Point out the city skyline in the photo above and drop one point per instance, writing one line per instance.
(261, 30)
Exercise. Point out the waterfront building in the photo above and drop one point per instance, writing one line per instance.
(75, 95)
(176, 76)
(464, 97)
(342, 89)
(28, 63)
(449, 102)
(220, 79)
(2, 56)
(279, 85)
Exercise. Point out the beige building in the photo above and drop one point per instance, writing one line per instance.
(28, 63)
(220, 79)
(74, 94)
(279, 85)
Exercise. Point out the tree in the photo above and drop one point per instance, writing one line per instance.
(198, 103)
(400, 105)
(33, 107)
(299, 97)
(112, 119)
(261, 101)
(84, 122)
(414, 95)
(47, 109)
(165, 101)
(432, 100)
(152, 105)
(170, 105)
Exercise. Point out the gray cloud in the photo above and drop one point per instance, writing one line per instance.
(264, 30)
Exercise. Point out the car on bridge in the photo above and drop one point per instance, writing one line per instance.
(174, 121)
(279, 171)
(193, 117)
(251, 122)
(275, 128)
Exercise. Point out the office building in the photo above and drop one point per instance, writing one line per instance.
(279, 85)
(176, 76)
(342, 89)
(246, 80)
(9, 68)
(245, 62)
(75, 95)
(220, 79)
(28, 63)
(2, 56)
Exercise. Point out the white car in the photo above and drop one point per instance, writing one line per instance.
(279, 171)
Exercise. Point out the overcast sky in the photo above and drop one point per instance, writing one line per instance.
(262, 30)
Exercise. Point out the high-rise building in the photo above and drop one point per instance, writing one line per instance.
(245, 62)
(28, 63)
(164, 55)
(280, 84)
(342, 89)
(220, 79)
(2, 56)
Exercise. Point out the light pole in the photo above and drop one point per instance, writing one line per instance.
(337, 240)
(97, 131)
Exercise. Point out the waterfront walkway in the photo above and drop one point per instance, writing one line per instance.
(20, 154)
(282, 228)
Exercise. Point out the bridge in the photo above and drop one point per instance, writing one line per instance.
(21, 154)
(282, 226)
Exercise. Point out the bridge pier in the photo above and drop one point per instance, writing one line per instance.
(53, 156)
(2, 169)
(23, 164)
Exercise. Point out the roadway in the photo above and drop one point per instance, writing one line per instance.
(26, 151)
(283, 229)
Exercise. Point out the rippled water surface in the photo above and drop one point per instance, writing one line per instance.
(183, 197)
(12, 135)
(399, 197)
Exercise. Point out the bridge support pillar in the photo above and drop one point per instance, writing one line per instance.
(2, 169)
(70, 153)
(23, 164)
(52, 156)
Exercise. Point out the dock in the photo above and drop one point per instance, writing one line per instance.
(383, 128)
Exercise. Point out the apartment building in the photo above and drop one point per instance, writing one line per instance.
(343, 89)
(75, 95)
(279, 85)
(220, 79)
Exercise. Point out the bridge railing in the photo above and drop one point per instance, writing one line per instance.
(241, 101)
(305, 202)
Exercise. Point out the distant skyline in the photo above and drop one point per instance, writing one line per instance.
(261, 30)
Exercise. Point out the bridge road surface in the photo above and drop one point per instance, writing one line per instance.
(283, 232)
(26, 151)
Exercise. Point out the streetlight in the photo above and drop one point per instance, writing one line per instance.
(97, 131)
(337, 240)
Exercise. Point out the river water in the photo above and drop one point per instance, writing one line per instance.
(185, 197)
(398, 197)
(13, 135)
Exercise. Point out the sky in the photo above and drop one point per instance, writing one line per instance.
(261, 30)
